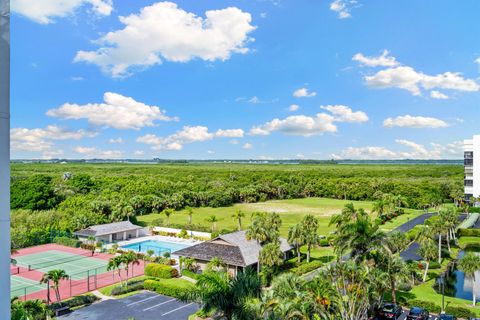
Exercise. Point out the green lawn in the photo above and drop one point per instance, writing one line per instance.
(291, 211)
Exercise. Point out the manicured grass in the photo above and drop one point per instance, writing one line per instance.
(108, 289)
(291, 211)
(467, 241)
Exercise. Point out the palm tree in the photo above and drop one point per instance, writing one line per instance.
(116, 263)
(379, 207)
(238, 215)
(216, 264)
(296, 236)
(91, 240)
(228, 296)
(270, 256)
(168, 213)
(189, 211)
(130, 258)
(309, 225)
(213, 220)
(397, 271)
(54, 277)
(469, 265)
(428, 251)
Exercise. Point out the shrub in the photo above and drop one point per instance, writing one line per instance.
(183, 234)
(134, 286)
(66, 241)
(429, 306)
(460, 312)
(160, 271)
(324, 243)
(75, 301)
(306, 267)
(169, 287)
(89, 247)
(434, 265)
(468, 232)
(190, 274)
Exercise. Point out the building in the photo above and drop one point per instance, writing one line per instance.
(233, 249)
(471, 160)
(111, 232)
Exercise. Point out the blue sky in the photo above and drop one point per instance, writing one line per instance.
(244, 79)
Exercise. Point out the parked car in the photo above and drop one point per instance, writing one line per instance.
(447, 317)
(417, 313)
(389, 311)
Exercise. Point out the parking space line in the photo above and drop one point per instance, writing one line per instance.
(143, 300)
(177, 309)
(157, 305)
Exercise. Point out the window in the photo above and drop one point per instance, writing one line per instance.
(468, 183)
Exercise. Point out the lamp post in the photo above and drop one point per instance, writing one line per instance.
(4, 159)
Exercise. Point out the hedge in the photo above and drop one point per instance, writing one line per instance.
(429, 306)
(66, 241)
(134, 286)
(468, 232)
(307, 267)
(190, 274)
(75, 301)
(460, 312)
(160, 271)
(169, 287)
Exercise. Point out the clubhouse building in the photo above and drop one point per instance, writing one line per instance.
(111, 232)
(233, 249)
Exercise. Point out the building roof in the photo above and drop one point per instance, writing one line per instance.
(233, 249)
(105, 229)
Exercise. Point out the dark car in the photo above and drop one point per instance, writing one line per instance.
(447, 317)
(418, 314)
(389, 311)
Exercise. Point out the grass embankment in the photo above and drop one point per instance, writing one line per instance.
(291, 211)
(107, 291)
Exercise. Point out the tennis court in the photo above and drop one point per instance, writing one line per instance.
(22, 286)
(77, 266)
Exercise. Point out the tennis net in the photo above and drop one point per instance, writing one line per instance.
(45, 264)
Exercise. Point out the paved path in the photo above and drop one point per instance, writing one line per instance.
(143, 306)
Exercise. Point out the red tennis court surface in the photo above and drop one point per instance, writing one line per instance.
(81, 280)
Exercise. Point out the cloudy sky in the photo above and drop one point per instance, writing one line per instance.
(261, 79)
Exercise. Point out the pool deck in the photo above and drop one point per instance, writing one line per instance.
(188, 242)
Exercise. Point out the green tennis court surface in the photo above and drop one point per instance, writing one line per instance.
(22, 286)
(75, 265)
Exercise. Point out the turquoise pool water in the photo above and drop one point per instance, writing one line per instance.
(159, 247)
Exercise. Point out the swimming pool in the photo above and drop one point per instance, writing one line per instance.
(158, 247)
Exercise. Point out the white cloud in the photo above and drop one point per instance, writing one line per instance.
(343, 113)
(343, 7)
(42, 139)
(77, 78)
(45, 11)
(164, 32)
(408, 121)
(414, 151)
(438, 95)
(247, 146)
(117, 140)
(409, 79)
(210, 152)
(117, 111)
(229, 133)
(188, 134)
(139, 152)
(234, 141)
(383, 60)
(303, 93)
(293, 107)
(91, 152)
(300, 125)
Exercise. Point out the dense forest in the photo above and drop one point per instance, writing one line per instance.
(48, 199)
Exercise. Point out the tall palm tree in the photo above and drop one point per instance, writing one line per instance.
(217, 291)
(310, 232)
(270, 256)
(296, 236)
(470, 264)
(189, 211)
(238, 215)
(53, 278)
(380, 207)
(116, 263)
(213, 220)
(130, 258)
(397, 271)
(168, 213)
(428, 251)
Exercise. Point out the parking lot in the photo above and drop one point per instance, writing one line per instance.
(145, 305)
(404, 316)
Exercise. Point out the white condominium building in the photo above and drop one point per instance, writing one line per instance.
(471, 155)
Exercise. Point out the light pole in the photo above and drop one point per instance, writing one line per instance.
(4, 159)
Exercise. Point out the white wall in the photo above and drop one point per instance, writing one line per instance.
(4, 159)
(172, 230)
